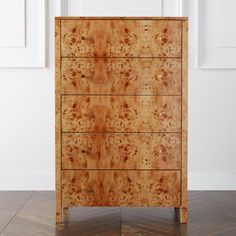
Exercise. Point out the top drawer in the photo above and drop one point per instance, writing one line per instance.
(121, 38)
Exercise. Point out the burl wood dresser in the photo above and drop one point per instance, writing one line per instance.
(121, 112)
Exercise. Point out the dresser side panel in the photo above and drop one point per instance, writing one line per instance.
(58, 120)
(184, 182)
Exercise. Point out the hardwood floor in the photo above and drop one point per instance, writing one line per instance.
(32, 214)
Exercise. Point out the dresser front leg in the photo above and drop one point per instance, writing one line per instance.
(58, 216)
(183, 215)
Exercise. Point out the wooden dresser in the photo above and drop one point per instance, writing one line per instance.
(121, 112)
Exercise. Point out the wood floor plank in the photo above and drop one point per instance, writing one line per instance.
(35, 218)
(148, 221)
(10, 204)
(99, 221)
(206, 216)
(226, 201)
(210, 213)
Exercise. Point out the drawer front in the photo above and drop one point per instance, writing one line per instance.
(121, 113)
(121, 151)
(125, 76)
(120, 188)
(121, 38)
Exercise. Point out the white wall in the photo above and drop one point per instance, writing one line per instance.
(27, 120)
(212, 116)
(27, 113)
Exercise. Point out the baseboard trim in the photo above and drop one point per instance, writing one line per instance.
(27, 181)
(212, 181)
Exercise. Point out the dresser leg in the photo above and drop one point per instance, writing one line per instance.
(176, 209)
(176, 213)
(183, 215)
(58, 216)
(66, 210)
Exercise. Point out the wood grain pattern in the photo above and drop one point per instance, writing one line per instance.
(121, 151)
(120, 188)
(184, 182)
(58, 121)
(125, 76)
(121, 38)
(121, 113)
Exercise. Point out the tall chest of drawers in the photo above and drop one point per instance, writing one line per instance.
(121, 112)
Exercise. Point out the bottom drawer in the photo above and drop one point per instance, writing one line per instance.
(120, 188)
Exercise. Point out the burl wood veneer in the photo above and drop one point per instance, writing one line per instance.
(120, 38)
(123, 76)
(120, 188)
(121, 112)
(121, 151)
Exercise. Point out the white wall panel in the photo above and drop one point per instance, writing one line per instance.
(12, 23)
(172, 7)
(226, 21)
(114, 7)
(122, 7)
(33, 54)
(27, 152)
(216, 34)
(212, 115)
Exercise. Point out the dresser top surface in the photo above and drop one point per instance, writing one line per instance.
(118, 18)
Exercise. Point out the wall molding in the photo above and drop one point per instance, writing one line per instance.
(13, 23)
(43, 34)
(181, 9)
(201, 47)
(27, 181)
(199, 34)
(221, 180)
(63, 7)
(30, 56)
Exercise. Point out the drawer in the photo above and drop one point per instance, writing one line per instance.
(121, 113)
(124, 76)
(120, 188)
(121, 151)
(121, 38)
